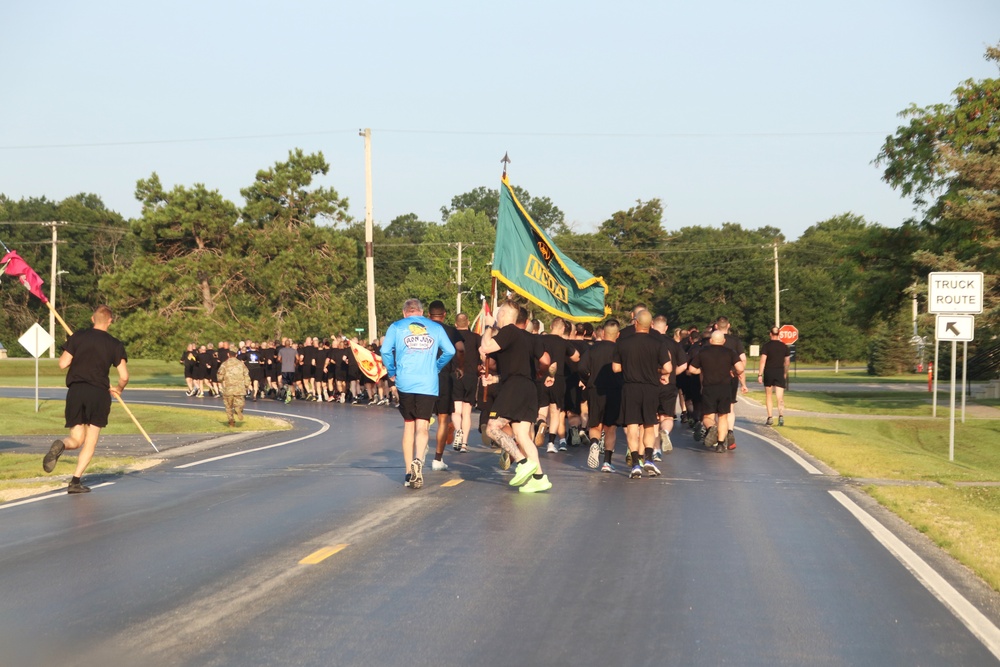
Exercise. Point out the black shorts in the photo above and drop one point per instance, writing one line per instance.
(445, 404)
(416, 406)
(87, 404)
(668, 400)
(639, 403)
(199, 372)
(692, 391)
(516, 400)
(716, 399)
(288, 378)
(605, 406)
(775, 378)
(464, 388)
(555, 394)
(258, 375)
(574, 396)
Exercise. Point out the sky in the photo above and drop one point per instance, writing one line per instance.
(762, 114)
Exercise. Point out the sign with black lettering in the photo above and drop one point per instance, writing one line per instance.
(953, 293)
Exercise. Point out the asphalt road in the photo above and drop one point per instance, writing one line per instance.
(746, 558)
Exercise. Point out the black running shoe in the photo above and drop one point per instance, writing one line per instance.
(50, 459)
(77, 487)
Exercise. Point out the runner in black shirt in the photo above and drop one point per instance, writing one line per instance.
(516, 401)
(716, 364)
(668, 385)
(89, 355)
(774, 361)
(604, 395)
(466, 384)
(552, 389)
(641, 359)
(445, 404)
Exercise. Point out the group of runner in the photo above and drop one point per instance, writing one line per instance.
(314, 370)
(573, 386)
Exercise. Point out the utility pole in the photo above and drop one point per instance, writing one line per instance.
(369, 236)
(52, 287)
(777, 290)
(458, 295)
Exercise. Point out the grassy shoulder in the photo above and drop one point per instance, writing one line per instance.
(18, 417)
(962, 515)
(21, 473)
(149, 373)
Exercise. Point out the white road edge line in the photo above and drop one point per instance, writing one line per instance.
(57, 494)
(809, 468)
(324, 429)
(321, 431)
(965, 611)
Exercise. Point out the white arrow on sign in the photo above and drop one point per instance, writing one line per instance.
(955, 327)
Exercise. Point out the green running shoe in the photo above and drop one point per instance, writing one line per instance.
(523, 473)
(536, 485)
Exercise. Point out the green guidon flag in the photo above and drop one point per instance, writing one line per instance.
(526, 261)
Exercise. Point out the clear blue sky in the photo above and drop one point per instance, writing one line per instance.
(760, 113)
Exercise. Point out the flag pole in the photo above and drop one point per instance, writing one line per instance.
(69, 332)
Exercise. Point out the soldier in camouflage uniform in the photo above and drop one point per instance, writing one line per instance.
(235, 380)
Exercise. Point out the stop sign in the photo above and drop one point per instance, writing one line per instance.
(788, 334)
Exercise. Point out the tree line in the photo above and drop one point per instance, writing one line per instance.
(289, 261)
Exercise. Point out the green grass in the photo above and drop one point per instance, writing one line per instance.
(19, 466)
(901, 450)
(149, 373)
(18, 417)
(900, 403)
(963, 521)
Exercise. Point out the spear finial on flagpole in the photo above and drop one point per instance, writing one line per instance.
(505, 161)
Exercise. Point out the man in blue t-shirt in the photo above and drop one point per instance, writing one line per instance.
(414, 351)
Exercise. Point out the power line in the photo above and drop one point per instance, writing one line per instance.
(481, 133)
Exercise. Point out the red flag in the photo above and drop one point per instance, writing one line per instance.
(369, 362)
(13, 265)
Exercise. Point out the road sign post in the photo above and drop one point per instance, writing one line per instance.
(36, 340)
(955, 297)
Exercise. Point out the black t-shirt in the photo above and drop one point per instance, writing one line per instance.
(641, 356)
(734, 344)
(678, 357)
(518, 352)
(455, 338)
(308, 354)
(206, 359)
(560, 350)
(776, 352)
(95, 352)
(716, 363)
(595, 365)
(252, 358)
(472, 341)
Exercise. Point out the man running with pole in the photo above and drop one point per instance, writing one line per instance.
(89, 355)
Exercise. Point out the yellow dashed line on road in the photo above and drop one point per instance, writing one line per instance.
(322, 554)
(453, 482)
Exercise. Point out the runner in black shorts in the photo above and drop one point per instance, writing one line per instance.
(445, 404)
(716, 364)
(669, 385)
(775, 358)
(88, 354)
(465, 386)
(604, 395)
(516, 401)
(641, 359)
